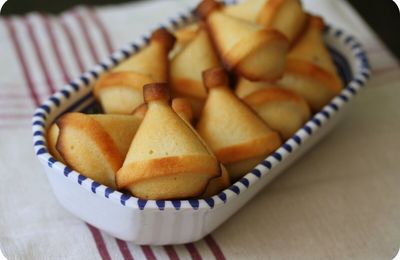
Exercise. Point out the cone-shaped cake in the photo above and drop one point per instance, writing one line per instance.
(183, 36)
(166, 159)
(286, 16)
(247, 10)
(218, 184)
(52, 136)
(282, 109)
(311, 47)
(187, 33)
(96, 145)
(238, 137)
(310, 71)
(183, 108)
(153, 59)
(120, 90)
(140, 111)
(245, 87)
(187, 66)
(245, 47)
(121, 128)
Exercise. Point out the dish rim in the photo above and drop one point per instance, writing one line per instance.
(319, 119)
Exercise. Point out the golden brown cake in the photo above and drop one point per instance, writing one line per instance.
(187, 33)
(238, 137)
(52, 137)
(183, 108)
(282, 109)
(120, 90)
(121, 128)
(187, 66)
(286, 16)
(95, 145)
(310, 71)
(247, 10)
(140, 111)
(166, 159)
(217, 184)
(248, 49)
(183, 36)
(245, 87)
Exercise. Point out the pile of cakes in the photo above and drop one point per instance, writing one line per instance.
(199, 107)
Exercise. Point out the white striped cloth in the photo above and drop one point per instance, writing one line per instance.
(340, 201)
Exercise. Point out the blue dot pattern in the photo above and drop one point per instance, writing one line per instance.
(267, 164)
(141, 203)
(67, 171)
(210, 202)
(297, 139)
(40, 114)
(95, 185)
(65, 93)
(245, 182)
(55, 100)
(194, 204)
(45, 108)
(277, 156)
(176, 204)
(39, 143)
(222, 196)
(160, 204)
(235, 189)
(81, 178)
(287, 147)
(41, 151)
(108, 192)
(256, 173)
(39, 123)
(124, 198)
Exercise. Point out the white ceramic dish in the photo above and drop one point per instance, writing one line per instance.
(181, 221)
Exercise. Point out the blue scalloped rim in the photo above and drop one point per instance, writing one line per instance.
(41, 115)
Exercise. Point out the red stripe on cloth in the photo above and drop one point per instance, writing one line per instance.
(54, 45)
(86, 35)
(148, 252)
(123, 247)
(194, 253)
(73, 45)
(39, 55)
(28, 78)
(215, 249)
(170, 250)
(104, 33)
(14, 126)
(14, 96)
(98, 239)
(15, 116)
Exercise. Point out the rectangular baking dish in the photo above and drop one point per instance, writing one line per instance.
(181, 221)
